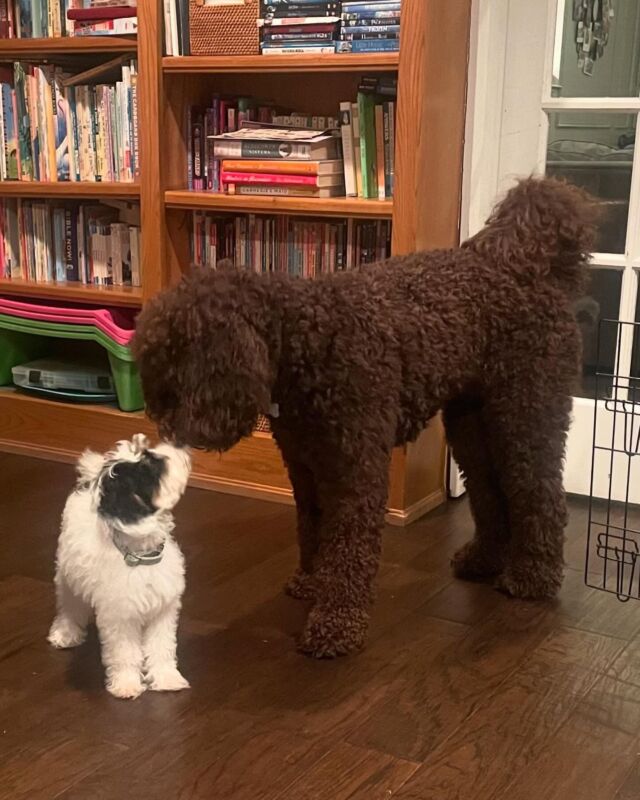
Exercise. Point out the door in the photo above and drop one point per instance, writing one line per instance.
(589, 131)
(538, 103)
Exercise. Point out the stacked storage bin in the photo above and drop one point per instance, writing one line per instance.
(26, 329)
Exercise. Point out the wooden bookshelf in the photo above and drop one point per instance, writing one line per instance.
(76, 292)
(71, 190)
(431, 69)
(49, 49)
(336, 62)
(328, 207)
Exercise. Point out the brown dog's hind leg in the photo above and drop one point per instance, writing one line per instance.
(300, 584)
(482, 558)
(528, 438)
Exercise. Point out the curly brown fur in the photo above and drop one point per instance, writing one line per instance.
(360, 361)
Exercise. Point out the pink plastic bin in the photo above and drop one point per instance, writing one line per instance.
(115, 323)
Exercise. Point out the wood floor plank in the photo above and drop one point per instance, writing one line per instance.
(565, 771)
(511, 728)
(351, 773)
(630, 789)
(434, 698)
(219, 757)
(467, 603)
(46, 771)
(26, 611)
(334, 697)
(606, 721)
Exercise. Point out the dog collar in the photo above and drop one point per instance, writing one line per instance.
(131, 559)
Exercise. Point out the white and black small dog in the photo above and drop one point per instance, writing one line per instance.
(117, 558)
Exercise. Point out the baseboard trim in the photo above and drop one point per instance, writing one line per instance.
(400, 517)
(201, 480)
(257, 491)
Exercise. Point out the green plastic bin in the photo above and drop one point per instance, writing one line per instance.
(21, 340)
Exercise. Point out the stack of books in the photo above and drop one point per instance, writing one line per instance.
(299, 26)
(53, 127)
(368, 139)
(105, 18)
(271, 160)
(29, 19)
(369, 26)
(226, 115)
(47, 242)
(294, 245)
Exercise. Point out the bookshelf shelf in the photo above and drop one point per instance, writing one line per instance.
(45, 49)
(330, 207)
(109, 295)
(334, 62)
(68, 189)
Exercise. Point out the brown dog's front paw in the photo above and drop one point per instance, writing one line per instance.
(531, 580)
(473, 563)
(300, 586)
(332, 632)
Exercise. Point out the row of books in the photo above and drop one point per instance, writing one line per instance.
(28, 19)
(241, 146)
(291, 27)
(368, 135)
(327, 26)
(303, 26)
(54, 128)
(210, 154)
(294, 245)
(370, 27)
(47, 242)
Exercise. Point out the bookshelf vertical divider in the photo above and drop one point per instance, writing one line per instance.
(432, 74)
(150, 119)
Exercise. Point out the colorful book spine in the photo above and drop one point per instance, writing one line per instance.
(366, 109)
(348, 152)
(198, 154)
(380, 160)
(269, 178)
(368, 46)
(9, 133)
(295, 49)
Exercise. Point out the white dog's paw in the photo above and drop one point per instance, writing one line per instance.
(167, 679)
(64, 634)
(126, 685)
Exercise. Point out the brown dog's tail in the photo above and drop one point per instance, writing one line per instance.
(543, 227)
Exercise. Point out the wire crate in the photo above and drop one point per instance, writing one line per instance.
(613, 543)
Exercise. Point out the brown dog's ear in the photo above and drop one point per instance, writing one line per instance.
(225, 263)
(543, 226)
(205, 369)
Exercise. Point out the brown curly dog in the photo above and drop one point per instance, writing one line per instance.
(360, 361)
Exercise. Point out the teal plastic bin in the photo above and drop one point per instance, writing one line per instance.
(22, 340)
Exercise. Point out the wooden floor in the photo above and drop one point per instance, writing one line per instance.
(461, 693)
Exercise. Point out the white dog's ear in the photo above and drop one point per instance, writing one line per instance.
(139, 443)
(89, 465)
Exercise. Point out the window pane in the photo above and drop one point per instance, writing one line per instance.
(601, 301)
(596, 55)
(595, 151)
